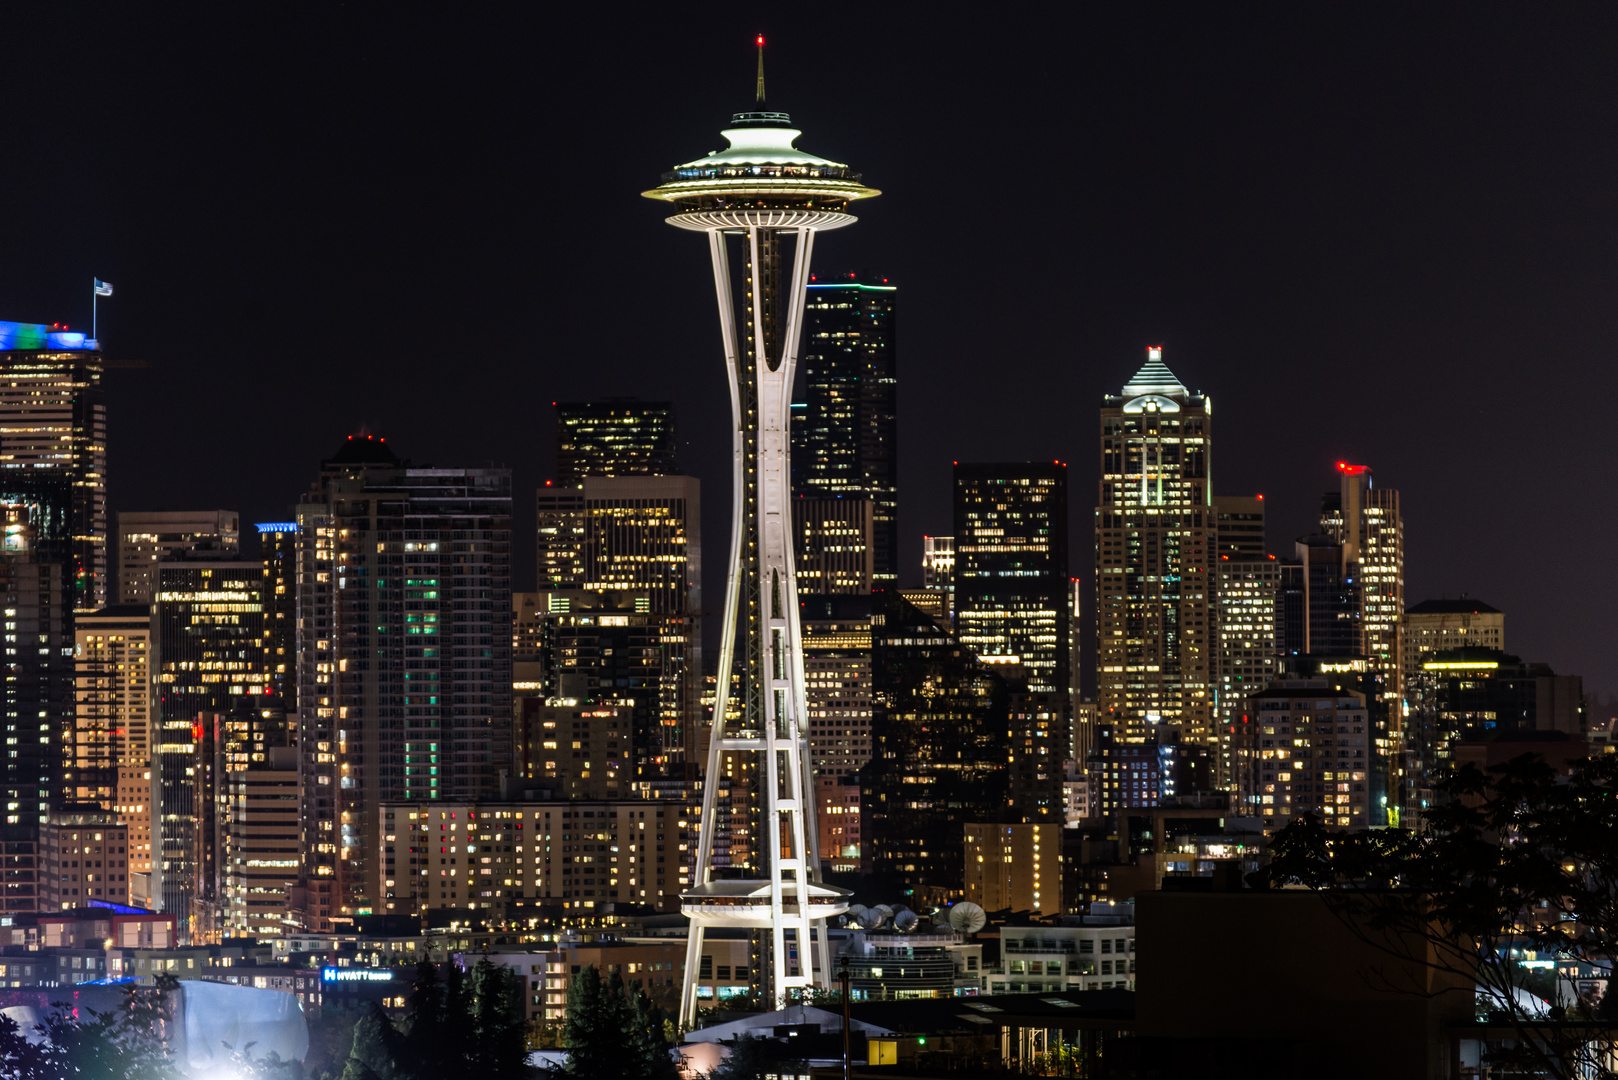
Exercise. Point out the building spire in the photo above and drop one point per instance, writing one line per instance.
(761, 69)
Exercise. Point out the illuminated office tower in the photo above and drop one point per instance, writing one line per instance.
(260, 861)
(208, 648)
(941, 752)
(403, 656)
(938, 572)
(1012, 591)
(837, 682)
(1365, 520)
(833, 546)
(609, 651)
(1247, 646)
(1154, 539)
(1246, 584)
(278, 549)
(111, 745)
(757, 195)
(614, 437)
(1434, 626)
(640, 534)
(38, 712)
(146, 539)
(252, 733)
(846, 442)
(209, 653)
(53, 450)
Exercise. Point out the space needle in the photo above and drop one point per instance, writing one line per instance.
(758, 863)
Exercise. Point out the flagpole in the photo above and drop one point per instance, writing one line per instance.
(95, 294)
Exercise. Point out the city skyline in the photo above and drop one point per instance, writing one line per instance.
(1331, 207)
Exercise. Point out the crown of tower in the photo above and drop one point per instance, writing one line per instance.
(1154, 377)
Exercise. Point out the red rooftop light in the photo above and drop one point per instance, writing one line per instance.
(761, 41)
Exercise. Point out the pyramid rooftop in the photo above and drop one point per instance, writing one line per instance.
(1154, 377)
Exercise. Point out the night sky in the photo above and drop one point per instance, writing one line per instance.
(1385, 234)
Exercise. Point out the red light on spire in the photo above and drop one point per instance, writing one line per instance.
(761, 41)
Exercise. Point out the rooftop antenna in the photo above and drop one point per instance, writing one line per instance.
(761, 69)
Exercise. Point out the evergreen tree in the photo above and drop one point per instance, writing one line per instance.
(501, 1046)
(748, 1059)
(611, 1032)
(376, 1050)
(428, 1044)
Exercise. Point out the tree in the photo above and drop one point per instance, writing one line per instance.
(749, 1058)
(377, 1049)
(1512, 858)
(610, 1031)
(500, 1050)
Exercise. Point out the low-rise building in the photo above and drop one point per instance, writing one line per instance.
(1091, 952)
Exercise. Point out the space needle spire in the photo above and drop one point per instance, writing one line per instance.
(757, 860)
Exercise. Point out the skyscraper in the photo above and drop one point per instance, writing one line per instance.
(848, 440)
(614, 437)
(403, 656)
(1154, 539)
(53, 450)
(764, 191)
(833, 546)
(208, 652)
(38, 706)
(1012, 591)
(111, 744)
(146, 539)
(639, 534)
(1366, 521)
(940, 756)
(278, 544)
(1246, 587)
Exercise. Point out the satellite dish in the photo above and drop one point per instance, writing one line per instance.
(884, 910)
(871, 918)
(852, 915)
(906, 921)
(967, 917)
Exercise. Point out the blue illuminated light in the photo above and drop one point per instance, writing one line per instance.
(277, 526)
(17, 335)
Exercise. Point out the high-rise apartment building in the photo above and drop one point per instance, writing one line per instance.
(581, 855)
(208, 652)
(146, 539)
(832, 546)
(1366, 521)
(1155, 534)
(614, 437)
(1239, 526)
(845, 439)
(403, 656)
(53, 450)
(640, 534)
(1012, 591)
(1308, 746)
